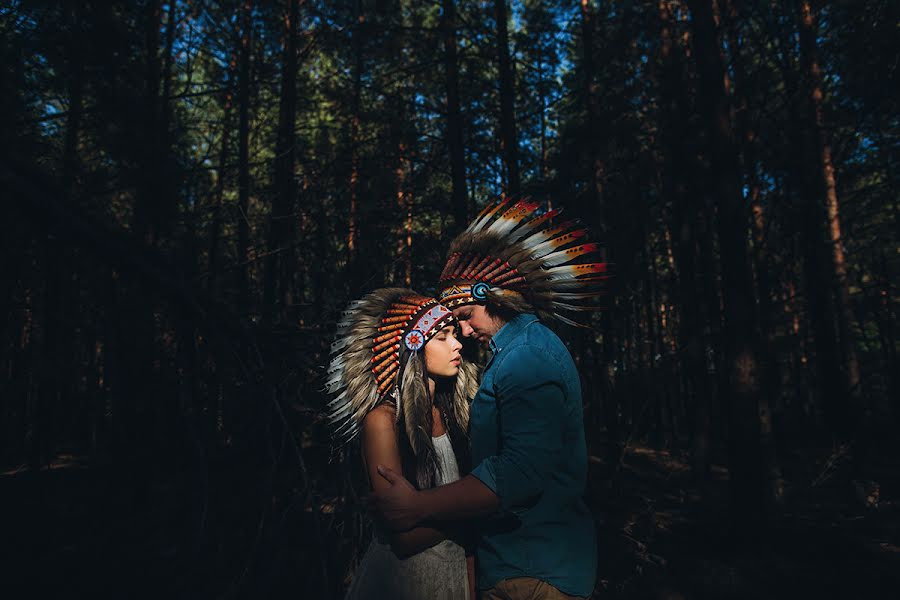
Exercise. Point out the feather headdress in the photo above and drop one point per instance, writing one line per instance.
(376, 338)
(516, 256)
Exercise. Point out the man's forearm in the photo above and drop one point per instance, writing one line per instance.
(467, 498)
(407, 543)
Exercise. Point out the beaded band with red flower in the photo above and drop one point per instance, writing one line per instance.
(412, 319)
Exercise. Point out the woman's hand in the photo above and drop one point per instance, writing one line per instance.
(399, 506)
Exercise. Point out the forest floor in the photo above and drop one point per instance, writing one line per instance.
(79, 529)
(660, 538)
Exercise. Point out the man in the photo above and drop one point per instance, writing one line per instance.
(536, 536)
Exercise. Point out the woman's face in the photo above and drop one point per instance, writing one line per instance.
(442, 353)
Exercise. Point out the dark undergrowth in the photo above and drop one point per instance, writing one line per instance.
(663, 537)
(170, 528)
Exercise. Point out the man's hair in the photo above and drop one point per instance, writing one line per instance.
(506, 304)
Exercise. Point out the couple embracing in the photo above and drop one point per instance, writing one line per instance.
(474, 484)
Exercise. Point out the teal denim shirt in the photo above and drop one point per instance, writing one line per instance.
(527, 438)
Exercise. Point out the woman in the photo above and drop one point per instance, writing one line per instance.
(397, 376)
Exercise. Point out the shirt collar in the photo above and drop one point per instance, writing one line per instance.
(510, 330)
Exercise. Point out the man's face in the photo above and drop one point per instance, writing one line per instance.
(475, 322)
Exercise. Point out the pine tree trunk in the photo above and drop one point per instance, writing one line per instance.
(747, 485)
(279, 263)
(402, 136)
(168, 62)
(597, 168)
(684, 213)
(221, 178)
(404, 211)
(134, 312)
(593, 211)
(57, 343)
(649, 350)
(825, 191)
(243, 274)
(508, 137)
(355, 121)
(455, 139)
(889, 346)
(186, 344)
(762, 265)
(149, 209)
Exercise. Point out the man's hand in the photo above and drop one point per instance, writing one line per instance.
(400, 506)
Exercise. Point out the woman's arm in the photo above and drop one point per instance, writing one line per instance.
(380, 448)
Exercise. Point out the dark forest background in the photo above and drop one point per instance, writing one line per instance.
(193, 190)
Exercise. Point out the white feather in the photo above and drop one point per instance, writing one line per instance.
(338, 399)
(562, 273)
(503, 226)
(332, 384)
(560, 258)
(529, 226)
(335, 364)
(340, 343)
(541, 237)
(478, 224)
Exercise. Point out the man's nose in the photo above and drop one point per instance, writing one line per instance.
(466, 329)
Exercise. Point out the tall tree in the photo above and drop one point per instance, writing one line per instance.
(509, 142)
(279, 263)
(592, 103)
(676, 169)
(748, 501)
(454, 127)
(823, 191)
(243, 180)
(358, 34)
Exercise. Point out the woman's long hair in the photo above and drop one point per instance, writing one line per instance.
(451, 397)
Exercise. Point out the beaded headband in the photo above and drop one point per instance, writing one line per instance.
(413, 319)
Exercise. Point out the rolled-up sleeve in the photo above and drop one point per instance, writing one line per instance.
(530, 397)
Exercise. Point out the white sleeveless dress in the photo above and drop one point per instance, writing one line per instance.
(436, 573)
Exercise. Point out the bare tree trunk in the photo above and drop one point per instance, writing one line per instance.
(355, 121)
(761, 262)
(168, 61)
(652, 347)
(243, 275)
(56, 342)
(279, 263)
(747, 484)
(889, 346)
(455, 139)
(404, 209)
(134, 312)
(151, 203)
(591, 92)
(542, 129)
(508, 137)
(186, 345)
(684, 213)
(221, 178)
(403, 138)
(826, 189)
(594, 211)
